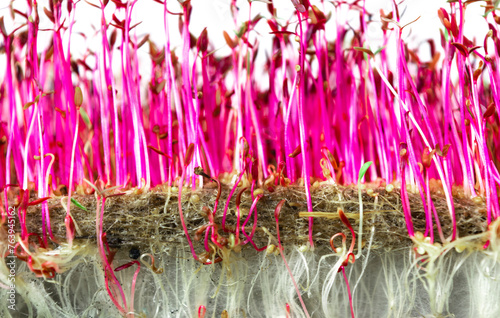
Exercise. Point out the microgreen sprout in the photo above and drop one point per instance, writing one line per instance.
(187, 161)
(78, 204)
(347, 256)
(134, 280)
(362, 172)
(152, 265)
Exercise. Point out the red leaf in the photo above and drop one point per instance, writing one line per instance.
(229, 41)
(202, 42)
(461, 48)
(427, 157)
(38, 201)
(344, 219)
(189, 155)
(2, 27)
(296, 152)
(158, 151)
(127, 265)
(238, 196)
(489, 111)
(472, 49)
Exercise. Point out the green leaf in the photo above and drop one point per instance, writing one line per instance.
(379, 50)
(85, 117)
(242, 30)
(28, 105)
(363, 170)
(78, 204)
(78, 97)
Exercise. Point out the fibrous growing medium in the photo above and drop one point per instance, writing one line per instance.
(306, 173)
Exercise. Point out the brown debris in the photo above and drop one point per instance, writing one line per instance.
(140, 220)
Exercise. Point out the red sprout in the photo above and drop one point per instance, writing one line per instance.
(152, 265)
(254, 227)
(134, 280)
(187, 161)
(349, 255)
(333, 237)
